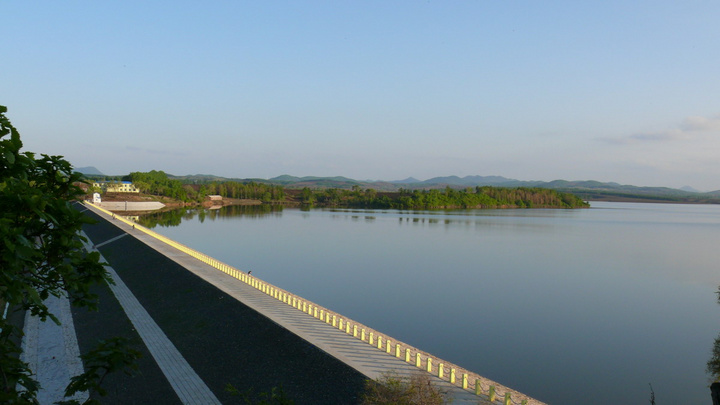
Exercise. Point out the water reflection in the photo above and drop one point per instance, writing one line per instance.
(175, 217)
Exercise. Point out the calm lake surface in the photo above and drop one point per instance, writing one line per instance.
(568, 306)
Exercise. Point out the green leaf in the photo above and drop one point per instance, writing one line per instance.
(9, 157)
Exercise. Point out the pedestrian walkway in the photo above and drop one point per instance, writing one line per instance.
(51, 351)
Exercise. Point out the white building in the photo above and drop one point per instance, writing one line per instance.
(116, 187)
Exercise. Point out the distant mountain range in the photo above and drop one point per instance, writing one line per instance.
(587, 189)
(89, 170)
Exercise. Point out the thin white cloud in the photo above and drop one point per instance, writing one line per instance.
(701, 124)
(689, 128)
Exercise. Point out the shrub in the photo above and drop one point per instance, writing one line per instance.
(392, 389)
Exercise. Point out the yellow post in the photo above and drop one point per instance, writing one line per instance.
(418, 362)
(371, 338)
(354, 330)
(478, 388)
(507, 399)
(362, 335)
(452, 376)
(322, 315)
(334, 322)
(379, 342)
(429, 365)
(340, 324)
(387, 346)
(491, 393)
(465, 381)
(441, 370)
(397, 350)
(407, 355)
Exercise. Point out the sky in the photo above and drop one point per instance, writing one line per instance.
(621, 91)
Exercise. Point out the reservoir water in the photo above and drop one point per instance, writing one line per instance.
(587, 306)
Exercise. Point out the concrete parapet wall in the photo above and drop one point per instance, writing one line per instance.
(130, 205)
(485, 389)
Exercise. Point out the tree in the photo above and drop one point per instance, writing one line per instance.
(41, 253)
(307, 196)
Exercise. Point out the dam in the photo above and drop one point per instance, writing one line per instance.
(227, 330)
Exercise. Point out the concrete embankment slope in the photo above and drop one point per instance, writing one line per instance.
(131, 205)
(235, 329)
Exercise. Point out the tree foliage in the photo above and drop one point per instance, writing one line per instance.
(41, 253)
(251, 190)
(159, 183)
(448, 198)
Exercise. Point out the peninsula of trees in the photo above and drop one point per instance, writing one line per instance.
(449, 198)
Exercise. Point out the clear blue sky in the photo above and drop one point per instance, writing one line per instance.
(624, 91)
